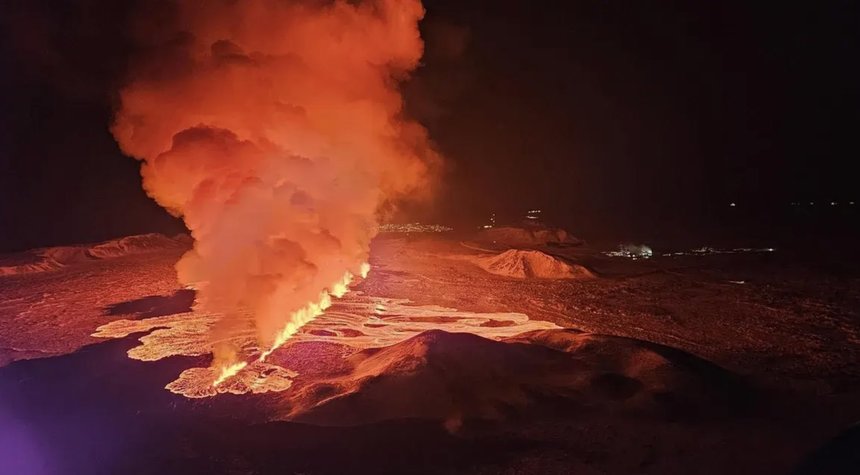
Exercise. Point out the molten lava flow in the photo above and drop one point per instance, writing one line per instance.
(296, 321)
(276, 130)
(355, 322)
(229, 371)
(309, 312)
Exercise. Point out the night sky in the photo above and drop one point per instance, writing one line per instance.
(599, 112)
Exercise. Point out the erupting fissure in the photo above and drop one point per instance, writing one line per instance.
(275, 129)
(309, 312)
(296, 321)
(229, 371)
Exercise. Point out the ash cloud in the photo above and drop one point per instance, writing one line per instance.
(275, 130)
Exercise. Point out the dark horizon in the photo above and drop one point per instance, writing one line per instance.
(620, 117)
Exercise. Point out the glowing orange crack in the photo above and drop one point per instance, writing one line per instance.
(297, 320)
(228, 372)
(379, 322)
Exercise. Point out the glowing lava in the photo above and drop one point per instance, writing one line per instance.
(312, 310)
(339, 289)
(354, 322)
(276, 129)
(229, 371)
(297, 320)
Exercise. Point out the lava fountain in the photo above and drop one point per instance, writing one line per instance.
(275, 130)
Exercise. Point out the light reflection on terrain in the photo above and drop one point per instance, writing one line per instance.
(357, 321)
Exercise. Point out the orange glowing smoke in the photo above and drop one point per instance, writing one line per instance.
(310, 311)
(275, 130)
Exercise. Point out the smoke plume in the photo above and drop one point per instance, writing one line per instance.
(275, 130)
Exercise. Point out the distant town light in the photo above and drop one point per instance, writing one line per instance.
(533, 214)
(631, 251)
(644, 252)
(413, 228)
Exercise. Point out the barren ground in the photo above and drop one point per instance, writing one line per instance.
(671, 365)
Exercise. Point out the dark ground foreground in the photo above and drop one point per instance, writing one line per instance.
(749, 377)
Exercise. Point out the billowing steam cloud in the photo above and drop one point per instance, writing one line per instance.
(275, 130)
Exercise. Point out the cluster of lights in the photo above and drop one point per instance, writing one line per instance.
(644, 252)
(812, 203)
(492, 222)
(801, 203)
(631, 251)
(413, 228)
(706, 250)
(533, 214)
